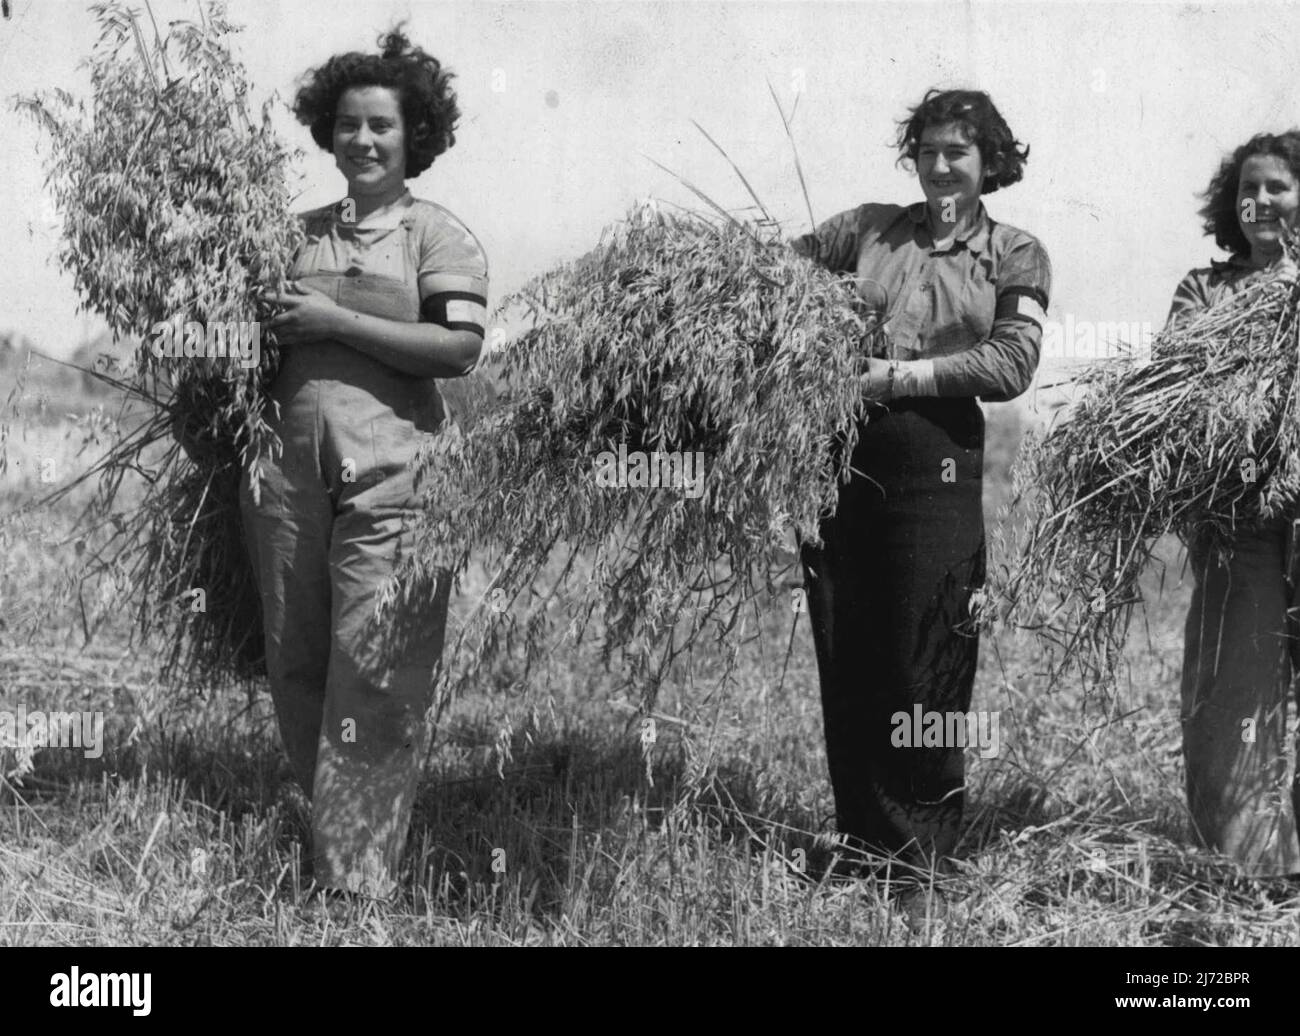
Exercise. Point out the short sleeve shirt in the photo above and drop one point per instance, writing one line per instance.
(413, 242)
(976, 307)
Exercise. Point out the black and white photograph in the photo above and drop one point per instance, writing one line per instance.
(651, 473)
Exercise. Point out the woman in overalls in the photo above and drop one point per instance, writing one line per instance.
(388, 294)
(962, 300)
(1239, 644)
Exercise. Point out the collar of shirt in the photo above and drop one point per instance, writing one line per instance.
(387, 218)
(975, 237)
(1234, 263)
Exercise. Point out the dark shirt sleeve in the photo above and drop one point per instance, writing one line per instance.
(1190, 297)
(834, 244)
(1002, 366)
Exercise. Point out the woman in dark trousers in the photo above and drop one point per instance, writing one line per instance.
(389, 294)
(962, 300)
(1240, 644)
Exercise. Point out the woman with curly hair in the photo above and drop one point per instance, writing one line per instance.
(1240, 646)
(961, 299)
(388, 295)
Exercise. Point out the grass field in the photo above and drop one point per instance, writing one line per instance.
(542, 825)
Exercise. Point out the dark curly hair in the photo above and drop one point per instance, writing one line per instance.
(423, 88)
(1220, 209)
(1002, 155)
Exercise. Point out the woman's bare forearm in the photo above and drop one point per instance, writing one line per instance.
(420, 349)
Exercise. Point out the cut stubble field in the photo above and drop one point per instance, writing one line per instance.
(550, 826)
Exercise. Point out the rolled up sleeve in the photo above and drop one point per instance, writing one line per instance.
(1002, 365)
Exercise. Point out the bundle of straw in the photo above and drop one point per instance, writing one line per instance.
(680, 335)
(1200, 439)
(175, 207)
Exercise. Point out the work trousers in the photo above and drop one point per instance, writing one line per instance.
(1236, 682)
(334, 519)
(889, 597)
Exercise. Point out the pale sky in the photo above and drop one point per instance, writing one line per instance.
(1128, 109)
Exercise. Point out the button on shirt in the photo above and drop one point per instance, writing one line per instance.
(976, 308)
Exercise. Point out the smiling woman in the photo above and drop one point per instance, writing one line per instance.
(960, 300)
(389, 293)
(1241, 645)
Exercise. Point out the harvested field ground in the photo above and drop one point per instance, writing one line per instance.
(185, 831)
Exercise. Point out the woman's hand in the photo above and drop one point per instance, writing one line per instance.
(308, 315)
(876, 383)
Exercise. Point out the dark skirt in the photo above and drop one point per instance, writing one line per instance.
(889, 598)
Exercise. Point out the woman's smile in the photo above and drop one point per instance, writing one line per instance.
(1268, 199)
(951, 172)
(370, 143)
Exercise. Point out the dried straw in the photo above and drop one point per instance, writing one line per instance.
(677, 334)
(174, 204)
(1200, 439)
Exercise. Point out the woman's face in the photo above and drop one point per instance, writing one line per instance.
(1268, 198)
(370, 141)
(948, 165)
